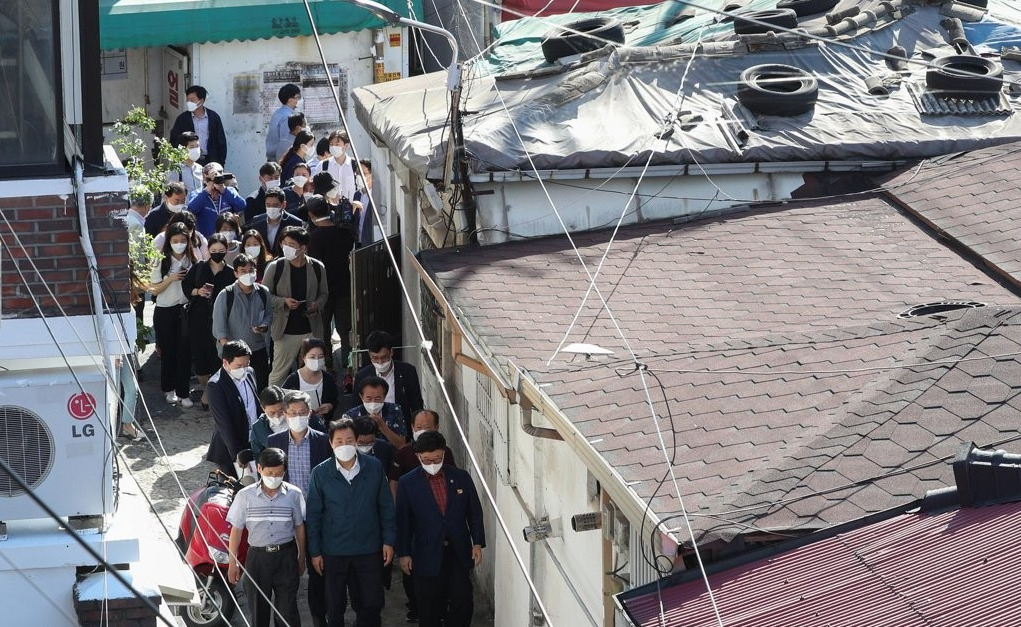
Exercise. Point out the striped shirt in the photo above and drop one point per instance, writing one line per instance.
(269, 519)
(299, 461)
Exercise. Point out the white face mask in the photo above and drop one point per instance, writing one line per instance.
(308, 195)
(307, 149)
(247, 279)
(274, 213)
(297, 423)
(364, 449)
(297, 105)
(179, 247)
(345, 452)
(230, 235)
(314, 364)
(272, 482)
(307, 129)
(238, 374)
(194, 153)
(415, 434)
(373, 408)
(176, 208)
(276, 425)
(336, 151)
(299, 181)
(383, 367)
(290, 252)
(270, 184)
(253, 251)
(192, 106)
(432, 469)
(333, 194)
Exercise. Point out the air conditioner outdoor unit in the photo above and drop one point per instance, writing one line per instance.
(55, 436)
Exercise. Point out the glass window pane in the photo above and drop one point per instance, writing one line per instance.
(29, 84)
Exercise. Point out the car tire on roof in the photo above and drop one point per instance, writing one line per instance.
(964, 76)
(802, 8)
(774, 89)
(559, 43)
(779, 18)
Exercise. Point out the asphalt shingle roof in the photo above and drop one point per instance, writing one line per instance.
(774, 352)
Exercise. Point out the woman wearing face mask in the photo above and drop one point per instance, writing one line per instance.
(298, 190)
(272, 420)
(203, 282)
(229, 225)
(169, 318)
(255, 247)
(199, 244)
(300, 152)
(313, 379)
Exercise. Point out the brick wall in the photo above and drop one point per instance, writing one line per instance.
(125, 612)
(47, 227)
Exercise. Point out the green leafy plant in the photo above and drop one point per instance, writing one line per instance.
(131, 145)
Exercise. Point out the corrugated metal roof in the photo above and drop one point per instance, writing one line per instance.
(946, 570)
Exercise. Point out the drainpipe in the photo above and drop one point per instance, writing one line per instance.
(90, 256)
(526, 420)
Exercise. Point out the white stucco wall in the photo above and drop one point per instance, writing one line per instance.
(214, 66)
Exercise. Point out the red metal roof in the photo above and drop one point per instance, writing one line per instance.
(954, 569)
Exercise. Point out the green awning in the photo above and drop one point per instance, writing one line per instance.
(153, 23)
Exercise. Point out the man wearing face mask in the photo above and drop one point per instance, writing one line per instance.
(306, 448)
(401, 376)
(233, 400)
(440, 535)
(278, 140)
(351, 526)
(387, 416)
(244, 311)
(332, 243)
(405, 460)
(219, 196)
(272, 223)
(273, 513)
(297, 284)
(189, 173)
(173, 203)
(255, 204)
(273, 419)
(339, 164)
(203, 122)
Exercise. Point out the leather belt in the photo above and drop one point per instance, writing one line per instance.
(272, 548)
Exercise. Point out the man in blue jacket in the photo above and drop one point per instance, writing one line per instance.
(440, 535)
(351, 526)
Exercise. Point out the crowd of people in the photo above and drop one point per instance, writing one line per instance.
(353, 473)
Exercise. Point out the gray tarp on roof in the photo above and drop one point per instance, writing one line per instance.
(607, 112)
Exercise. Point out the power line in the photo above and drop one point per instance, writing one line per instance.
(85, 545)
(426, 345)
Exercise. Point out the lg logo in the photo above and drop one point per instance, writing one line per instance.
(82, 407)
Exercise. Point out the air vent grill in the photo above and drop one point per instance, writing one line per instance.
(932, 309)
(26, 444)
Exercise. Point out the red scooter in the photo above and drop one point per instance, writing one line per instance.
(203, 538)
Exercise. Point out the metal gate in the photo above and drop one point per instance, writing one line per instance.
(376, 299)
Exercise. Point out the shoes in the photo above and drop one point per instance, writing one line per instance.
(412, 617)
(131, 436)
(186, 403)
(172, 398)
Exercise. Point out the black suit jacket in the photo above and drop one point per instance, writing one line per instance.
(216, 145)
(408, 393)
(261, 224)
(422, 529)
(318, 447)
(230, 422)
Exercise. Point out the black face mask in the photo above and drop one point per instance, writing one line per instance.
(217, 257)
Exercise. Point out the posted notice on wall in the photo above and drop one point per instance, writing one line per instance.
(317, 101)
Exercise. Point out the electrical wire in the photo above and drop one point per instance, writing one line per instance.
(149, 605)
(432, 362)
(109, 379)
